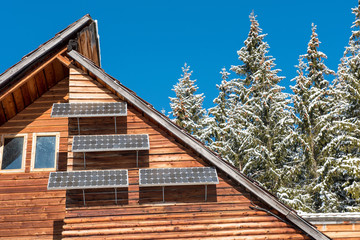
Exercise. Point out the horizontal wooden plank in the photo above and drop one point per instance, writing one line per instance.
(248, 222)
(91, 90)
(48, 201)
(93, 96)
(188, 231)
(83, 81)
(344, 227)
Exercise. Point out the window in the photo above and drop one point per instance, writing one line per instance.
(45, 151)
(13, 152)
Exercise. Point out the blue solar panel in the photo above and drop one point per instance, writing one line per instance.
(177, 176)
(88, 179)
(116, 142)
(89, 109)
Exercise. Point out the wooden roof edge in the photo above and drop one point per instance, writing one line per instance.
(198, 147)
(16, 71)
(332, 218)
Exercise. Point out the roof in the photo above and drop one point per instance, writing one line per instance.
(332, 218)
(198, 147)
(60, 39)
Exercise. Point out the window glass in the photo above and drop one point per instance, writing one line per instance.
(45, 152)
(12, 153)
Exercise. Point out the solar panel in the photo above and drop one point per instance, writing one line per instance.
(117, 142)
(177, 176)
(89, 109)
(88, 179)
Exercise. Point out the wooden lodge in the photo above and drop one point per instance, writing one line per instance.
(108, 190)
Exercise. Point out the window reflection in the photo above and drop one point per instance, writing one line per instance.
(12, 153)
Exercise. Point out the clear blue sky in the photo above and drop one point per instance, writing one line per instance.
(144, 44)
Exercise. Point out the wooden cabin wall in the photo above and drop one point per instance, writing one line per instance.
(88, 44)
(346, 230)
(27, 209)
(164, 150)
(140, 213)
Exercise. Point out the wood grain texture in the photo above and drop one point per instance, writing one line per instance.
(341, 231)
(140, 213)
(24, 92)
(87, 43)
(27, 209)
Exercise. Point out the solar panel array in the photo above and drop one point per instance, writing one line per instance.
(89, 109)
(177, 176)
(116, 142)
(88, 179)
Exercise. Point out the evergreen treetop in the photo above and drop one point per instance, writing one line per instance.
(187, 106)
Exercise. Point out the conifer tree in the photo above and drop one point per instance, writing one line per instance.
(224, 129)
(340, 174)
(312, 106)
(253, 112)
(187, 106)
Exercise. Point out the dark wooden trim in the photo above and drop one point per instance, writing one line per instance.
(16, 107)
(199, 148)
(2, 110)
(45, 80)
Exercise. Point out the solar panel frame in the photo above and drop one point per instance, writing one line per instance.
(75, 174)
(150, 170)
(90, 138)
(122, 109)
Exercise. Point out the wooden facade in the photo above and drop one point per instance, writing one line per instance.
(29, 211)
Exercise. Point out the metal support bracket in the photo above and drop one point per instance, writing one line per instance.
(115, 125)
(84, 196)
(78, 121)
(137, 158)
(205, 193)
(163, 193)
(84, 161)
(116, 196)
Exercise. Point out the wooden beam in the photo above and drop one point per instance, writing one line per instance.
(32, 74)
(64, 60)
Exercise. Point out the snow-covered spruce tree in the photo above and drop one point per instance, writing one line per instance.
(256, 113)
(312, 106)
(187, 106)
(340, 175)
(224, 128)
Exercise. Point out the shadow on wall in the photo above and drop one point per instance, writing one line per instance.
(57, 229)
(178, 194)
(97, 197)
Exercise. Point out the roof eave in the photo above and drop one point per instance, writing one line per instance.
(199, 148)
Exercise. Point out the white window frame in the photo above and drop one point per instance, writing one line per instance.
(23, 161)
(33, 152)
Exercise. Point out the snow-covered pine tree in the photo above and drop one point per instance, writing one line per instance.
(255, 114)
(187, 107)
(312, 105)
(340, 174)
